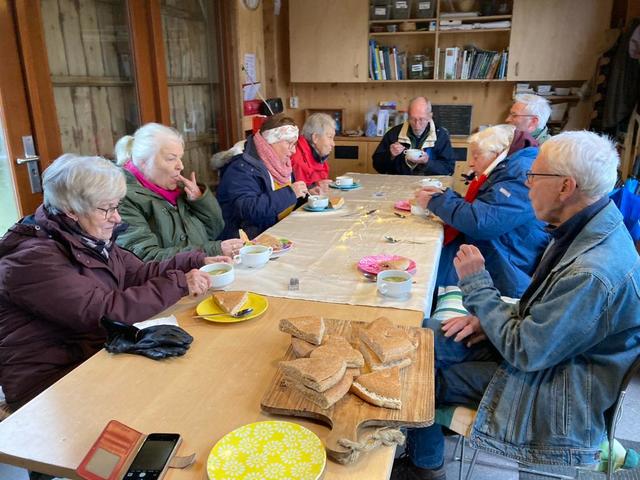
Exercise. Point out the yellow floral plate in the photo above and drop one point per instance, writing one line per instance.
(255, 301)
(267, 450)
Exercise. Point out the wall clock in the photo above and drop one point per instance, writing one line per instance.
(251, 4)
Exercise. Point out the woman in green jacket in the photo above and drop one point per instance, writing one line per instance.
(166, 212)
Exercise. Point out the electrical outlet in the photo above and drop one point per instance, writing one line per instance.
(293, 102)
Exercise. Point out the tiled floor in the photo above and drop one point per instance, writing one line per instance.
(488, 467)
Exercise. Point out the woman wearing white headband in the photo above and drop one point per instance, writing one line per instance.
(257, 188)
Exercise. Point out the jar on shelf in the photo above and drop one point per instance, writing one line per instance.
(416, 66)
(428, 66)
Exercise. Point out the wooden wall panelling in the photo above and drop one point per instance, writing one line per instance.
(37, 76)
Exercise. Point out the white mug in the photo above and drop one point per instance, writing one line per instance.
(318, 201)
(413, 154)
(222, 274)
(431, 182)
(344, 181)
(253, 256)
(394, 283)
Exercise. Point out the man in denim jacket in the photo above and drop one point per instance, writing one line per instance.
(542, 372)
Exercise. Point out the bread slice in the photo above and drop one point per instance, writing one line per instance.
(301, 348)
(380, 388)
(318, 374)
(397, 264)
(268, 241)
(309, 328)
(388, 341)
(336, 346)
(329, 397)
(374, 363)
(230, 302)
(336, 202)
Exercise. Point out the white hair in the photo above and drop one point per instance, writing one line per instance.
(75, 184)
(318, 123)
(145, 144)
(535, 105)
(494, 139)
(592, 160)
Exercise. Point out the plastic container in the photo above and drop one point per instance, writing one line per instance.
(380, 10)
(424, 8)
(416, 66)
(428, 66)
(400, 9)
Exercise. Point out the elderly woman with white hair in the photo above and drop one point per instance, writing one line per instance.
(60, 273)
(496, 214)
(257, 188)
(166, 212)
(309, 161)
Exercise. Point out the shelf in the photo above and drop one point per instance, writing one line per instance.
(403, 20)
(478, 19)
(474, 30)
(474, 80)
(387, 34)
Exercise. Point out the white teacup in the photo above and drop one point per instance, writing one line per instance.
(419, 211)
(253, 256)
(413, 154)
(222, 274)
(344, 181)
(394, 283)
(431, 182)
(318, 201)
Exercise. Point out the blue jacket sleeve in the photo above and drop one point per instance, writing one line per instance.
(503, 206)
(442, 161)
(383, 162)
(564, 323)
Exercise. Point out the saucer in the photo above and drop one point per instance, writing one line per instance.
(353, 186)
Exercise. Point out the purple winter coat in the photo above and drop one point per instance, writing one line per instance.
(53, 292)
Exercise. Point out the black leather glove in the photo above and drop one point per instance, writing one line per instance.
(156, 342)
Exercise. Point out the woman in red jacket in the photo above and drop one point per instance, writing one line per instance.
(309, 162)
(61, 272)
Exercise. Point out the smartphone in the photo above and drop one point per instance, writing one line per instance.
(151, 462)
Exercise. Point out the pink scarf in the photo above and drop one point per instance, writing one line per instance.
(281, 172)
(170, 196)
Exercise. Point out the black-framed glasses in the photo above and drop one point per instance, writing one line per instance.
(531, 174)
(109, 211)
(520, 115)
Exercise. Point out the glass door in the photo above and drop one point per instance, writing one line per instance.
(9, 212)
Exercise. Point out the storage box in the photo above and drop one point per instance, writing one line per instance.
(424, 8)
(557, 111)
(400, 9)
(380, 10)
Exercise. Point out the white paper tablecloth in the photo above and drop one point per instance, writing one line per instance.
(327, 247)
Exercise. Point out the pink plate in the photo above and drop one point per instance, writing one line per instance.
(369, 263)
(403, 205)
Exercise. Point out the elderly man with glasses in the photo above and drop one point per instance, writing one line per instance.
(543, 372)
(530, 113)
(418, 132)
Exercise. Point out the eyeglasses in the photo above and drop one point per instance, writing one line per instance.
(530, 175)
(511, 114)
(109, 211)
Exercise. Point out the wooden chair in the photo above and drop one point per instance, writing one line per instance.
(631, 144)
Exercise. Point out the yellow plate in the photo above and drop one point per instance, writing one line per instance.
(273, 450)
(255, 301)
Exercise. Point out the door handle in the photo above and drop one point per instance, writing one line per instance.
(30, 158)
(356, 70)
(34, 171)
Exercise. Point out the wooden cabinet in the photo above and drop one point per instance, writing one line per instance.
(556, 39)
(350, 156)
(328, 40)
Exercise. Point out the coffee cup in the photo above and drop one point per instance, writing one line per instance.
(431, 182)
(344, 181)
(394, 283)
(253, 256)
(222, 274)
(419, 211)
(318, 201)
(413, 154)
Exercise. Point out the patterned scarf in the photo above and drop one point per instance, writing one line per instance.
(279, 170)
(170, 196)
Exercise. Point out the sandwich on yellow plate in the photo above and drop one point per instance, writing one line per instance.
(230, 302)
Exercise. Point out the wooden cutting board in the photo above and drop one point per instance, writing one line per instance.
(350, 414)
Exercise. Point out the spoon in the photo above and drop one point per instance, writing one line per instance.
(241, 313)
(391, 239)
(370, 276)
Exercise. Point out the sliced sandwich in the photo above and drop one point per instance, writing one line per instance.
(395, 264)
(268, 241)
(336, 346)
(374, 363)
(230, 302)
(386, 340)
(330, 396)
(301, 348)
(318, 374)
(380, 388)
(308, 328)
(336, 202)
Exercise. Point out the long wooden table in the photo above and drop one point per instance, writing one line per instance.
(215, 388)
